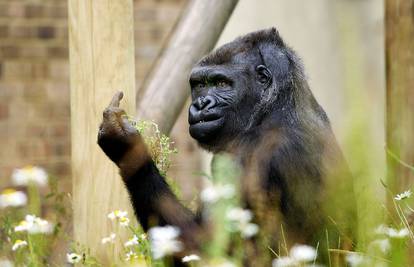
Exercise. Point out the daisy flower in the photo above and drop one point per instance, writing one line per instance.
(29, 174)
(191, 257)
(73, 257)
(241, 221)
(284, 262)
(395, 233)
(164, 241)
(19, 244)
(143, 236)
(213, 193)
(131, 255)
(34, 225)
(355, 259)
(298, 256)
(240, 215)
(403, 195)
(248, 230)
(12, 198)
(132, 242)
(124, 221)
(391, 232)
(117, 214)
(303, 253)
(108, 239)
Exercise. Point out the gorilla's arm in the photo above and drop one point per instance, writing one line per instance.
(153, 201)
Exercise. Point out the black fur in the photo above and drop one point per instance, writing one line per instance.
(251, 99)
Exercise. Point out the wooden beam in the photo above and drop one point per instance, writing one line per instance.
(101, 41)
(399, 17)
(163, 97)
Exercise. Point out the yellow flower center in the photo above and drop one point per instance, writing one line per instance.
(28, 168)
(22, 223)
(8, 191)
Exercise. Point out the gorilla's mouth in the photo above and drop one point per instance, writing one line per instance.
(207, 123)
(203, 128)
(203, 117)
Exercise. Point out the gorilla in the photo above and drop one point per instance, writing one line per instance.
(250, 99)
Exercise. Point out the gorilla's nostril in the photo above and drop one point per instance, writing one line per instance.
(207, 102)
(199, 103)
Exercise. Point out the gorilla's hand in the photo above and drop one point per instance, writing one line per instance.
(117, 137)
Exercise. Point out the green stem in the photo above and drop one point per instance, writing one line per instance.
(33, 257)
(34, 199)
(395, 157)
(169, 261)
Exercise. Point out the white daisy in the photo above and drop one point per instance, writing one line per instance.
(191, 257)
(391, 232)
(22, 226)
(108, 239)
(132, 242)
(240, 215)
(303, 253)
(143, 236)
(240, 220)
(298, 255)
(394, 233)
(73, 257)
(355, 259)
(131, 255)
(284, 262)
(34, 225)
(213, 193)
(248, 230)
(403, 195)
(29, 174)
(164, 241)
(117, 214)
(124, 221)
(120, 216)
(19, 244)
(12, 198)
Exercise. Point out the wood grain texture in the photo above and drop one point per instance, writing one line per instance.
(101, 41)
(162, 99)
(399, 17)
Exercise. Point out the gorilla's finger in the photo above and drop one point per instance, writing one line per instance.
(113, 112)
(116, 99)
(127, 126)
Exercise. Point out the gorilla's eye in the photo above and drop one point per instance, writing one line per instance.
(200, 85)
(222, 84)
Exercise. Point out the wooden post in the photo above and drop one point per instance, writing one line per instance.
(101, 41)
(163, 97)
(399, 16)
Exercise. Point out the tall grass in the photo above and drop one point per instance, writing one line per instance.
(384, 231)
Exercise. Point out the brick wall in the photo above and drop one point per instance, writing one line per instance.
(34, 86)
(34, 78)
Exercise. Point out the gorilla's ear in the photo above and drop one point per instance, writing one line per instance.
(264, 76)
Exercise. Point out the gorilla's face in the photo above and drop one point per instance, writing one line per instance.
(223, 99)
(237, 86)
